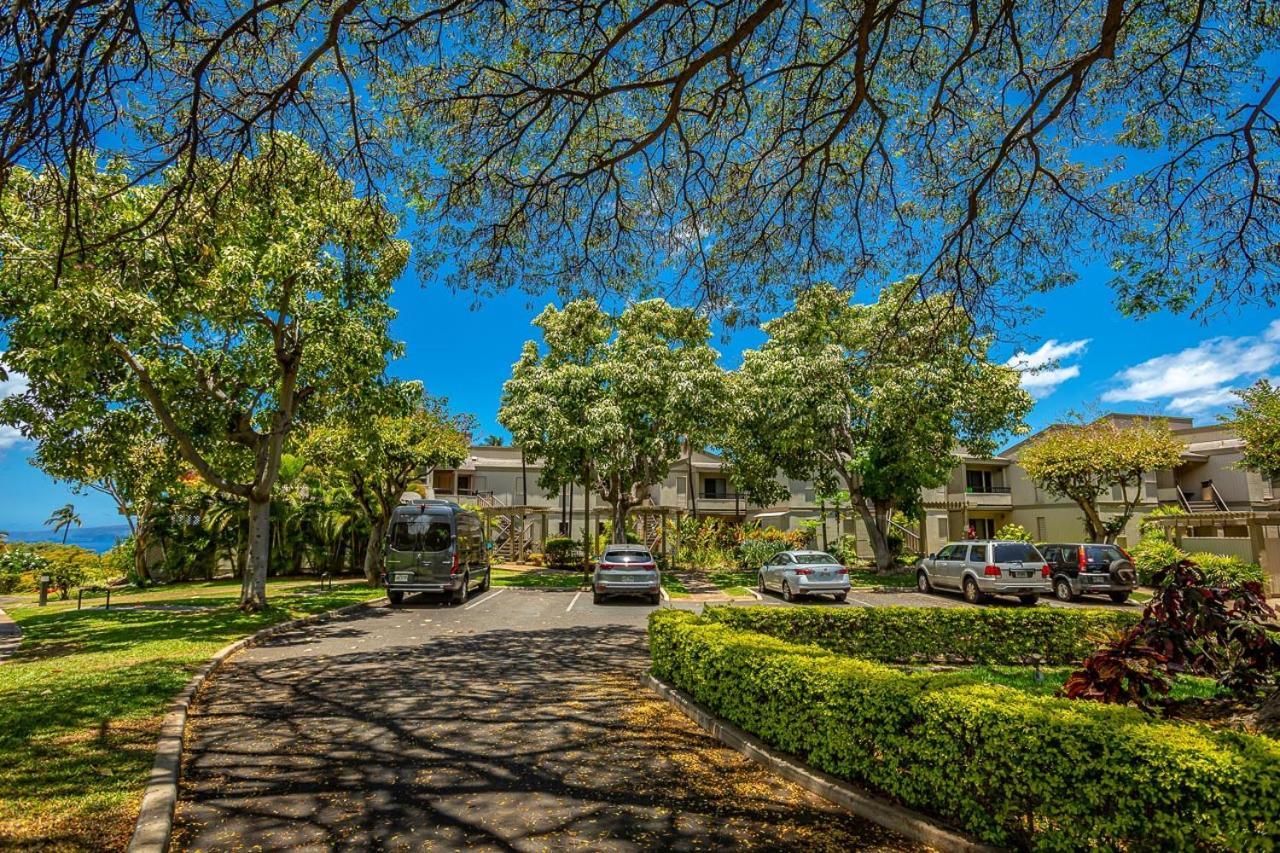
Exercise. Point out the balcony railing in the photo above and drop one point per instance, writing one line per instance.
(987, 490)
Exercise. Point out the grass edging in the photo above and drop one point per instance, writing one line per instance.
(154, 826)
(878, 810)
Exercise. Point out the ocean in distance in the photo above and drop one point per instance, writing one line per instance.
(98, 539)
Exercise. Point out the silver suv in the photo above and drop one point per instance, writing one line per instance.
(627, 570)
(986, 567)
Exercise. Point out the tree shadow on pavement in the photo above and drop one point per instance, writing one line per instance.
(502, 740)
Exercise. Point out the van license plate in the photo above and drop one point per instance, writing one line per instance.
(402, 578)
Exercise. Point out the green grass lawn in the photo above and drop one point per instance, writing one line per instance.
(735, 582)
(537, 578)
(674, 586)
(82, 699)
(871, 577)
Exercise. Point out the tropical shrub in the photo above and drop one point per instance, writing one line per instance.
(925, 634)
(1225, 569)
(1147, 528)
(119, 561)
(845, 549)
(563, 552)
(1014, 533)
(19, 568)
(1192, 625)
(704, 543)
(754, 553)
(1153, 553)
(1014, 769)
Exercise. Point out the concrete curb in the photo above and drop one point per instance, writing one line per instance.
(900, 819)
(10, 636)
(155, 819)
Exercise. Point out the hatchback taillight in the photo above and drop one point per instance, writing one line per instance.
(992, 571)
(648, 567)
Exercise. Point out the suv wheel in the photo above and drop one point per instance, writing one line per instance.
(787, 594)
(760, 582)
(1062, 590)
(1119, 597)
(922, 581)
(395, 596)
(972, 594)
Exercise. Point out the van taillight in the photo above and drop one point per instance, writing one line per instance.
(992, 571)
(453, 569)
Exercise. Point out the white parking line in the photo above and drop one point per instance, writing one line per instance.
(575, 601)
(860, 601)
(494, 594)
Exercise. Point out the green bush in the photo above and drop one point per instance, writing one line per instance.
(1153, 553)
(1226, 570)
(754, 553)
(19, 567)
(1014, 533)
(1014, 769)
(845, 549)
(920, 634)
(563, 553)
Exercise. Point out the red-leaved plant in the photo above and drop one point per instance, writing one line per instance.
(1227, 633)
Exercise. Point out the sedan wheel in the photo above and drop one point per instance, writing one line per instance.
(787, 594)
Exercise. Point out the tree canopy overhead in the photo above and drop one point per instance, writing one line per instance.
(746, 146)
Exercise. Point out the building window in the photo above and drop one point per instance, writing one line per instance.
(442, 481)
(978, 481)
(1153, 489)
(682, 485)
(944, 529)
(715, 487)
(1041, 533)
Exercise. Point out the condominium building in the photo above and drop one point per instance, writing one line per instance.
(1231, 510)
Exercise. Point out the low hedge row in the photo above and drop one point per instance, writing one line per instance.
(1013, 769)
(915, 634)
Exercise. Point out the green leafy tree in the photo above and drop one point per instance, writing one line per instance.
(871, 397)
(1014, 533)
(614, 402)
(266, 293)
(493, 441)
(63, 519)
(1257, 421)
(404, 434)
(1086, 462)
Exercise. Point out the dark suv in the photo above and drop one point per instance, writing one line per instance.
(1081, 568)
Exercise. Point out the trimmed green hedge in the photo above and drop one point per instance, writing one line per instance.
(917, 634)
(1013, 769)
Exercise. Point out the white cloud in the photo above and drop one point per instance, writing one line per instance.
(1199, 378)
(15, 384)
(1041, 374)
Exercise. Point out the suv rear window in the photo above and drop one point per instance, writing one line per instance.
(1016, 552)
(421, 534)
(632, 556)
(1102, 553)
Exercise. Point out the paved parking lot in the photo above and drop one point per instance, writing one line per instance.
(516, 722)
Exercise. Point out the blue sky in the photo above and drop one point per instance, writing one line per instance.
(1165, 363)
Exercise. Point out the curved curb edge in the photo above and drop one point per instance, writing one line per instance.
(10, 636)
(155, 818)
(900, 819)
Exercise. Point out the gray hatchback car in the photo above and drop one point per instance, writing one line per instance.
(797, 573)
(986, 567)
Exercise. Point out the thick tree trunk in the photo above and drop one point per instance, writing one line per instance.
(587, 532)
(1093, 526)
(619, 515)
(253, 586)
(373, 553)
(877, 533)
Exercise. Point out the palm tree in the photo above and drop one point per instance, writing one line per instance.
(62, 519)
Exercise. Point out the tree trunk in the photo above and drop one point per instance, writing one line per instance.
(619, 513)
(1093, 526)
(373, 553)
(253, 586)
(693, 489)
(586, 519)
(140, 551)
(876, 527)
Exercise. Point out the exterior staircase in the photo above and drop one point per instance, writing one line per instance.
(512, 541)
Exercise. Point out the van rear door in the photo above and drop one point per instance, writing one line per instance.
(420, 548)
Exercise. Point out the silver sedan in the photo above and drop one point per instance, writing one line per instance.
(797, 573)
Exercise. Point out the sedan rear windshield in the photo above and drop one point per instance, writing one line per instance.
(420, 534)
(1016, 552)
(627, 557)
(1102, 553)
(815, 557)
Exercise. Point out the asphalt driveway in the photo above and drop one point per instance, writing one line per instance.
(516, 723)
